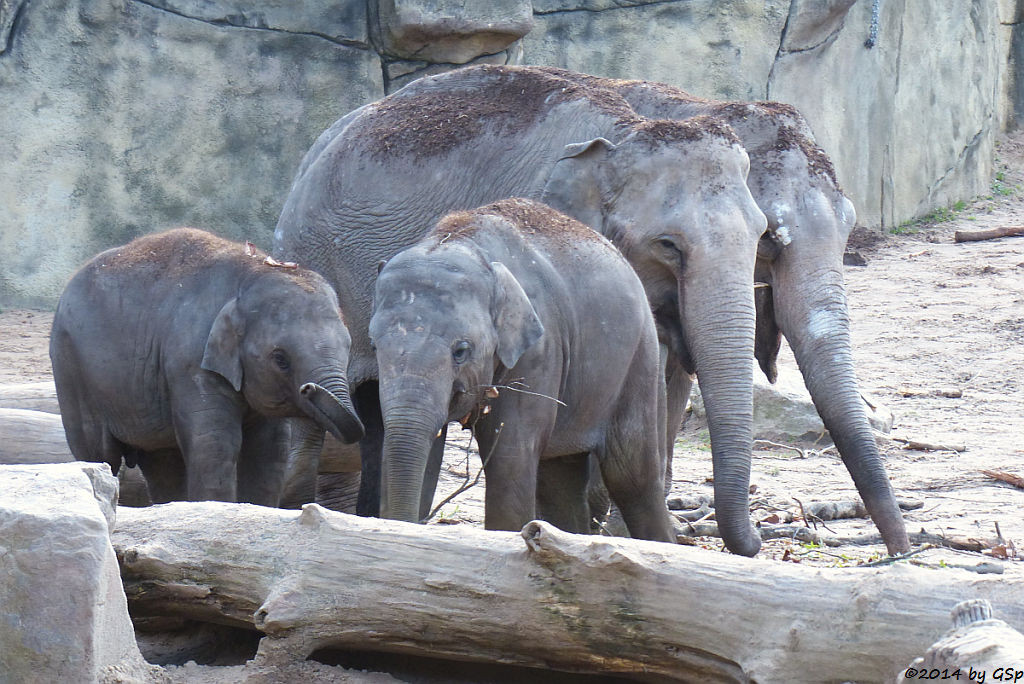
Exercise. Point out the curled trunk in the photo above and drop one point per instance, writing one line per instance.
(329, 404)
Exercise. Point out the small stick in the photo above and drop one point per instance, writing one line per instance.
(522, 391)
(928, 446)
(803, 454)
(467, 485)
(990, 234)
(1008, 478)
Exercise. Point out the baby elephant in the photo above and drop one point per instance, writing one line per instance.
(532, 327)
(186, 353)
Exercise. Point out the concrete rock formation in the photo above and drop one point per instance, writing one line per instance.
(129, 115)
(784, 411)
(63, 612)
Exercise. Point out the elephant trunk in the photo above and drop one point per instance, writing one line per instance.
(720, 334)
(811, 309)
(329, 404)
(414, 410)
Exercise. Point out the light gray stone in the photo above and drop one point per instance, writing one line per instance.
(451, 31)
(910, 122)
(121, 118)
(403, 72)
(63, 613)
(723, 50)
(784, 411)
(812, 22)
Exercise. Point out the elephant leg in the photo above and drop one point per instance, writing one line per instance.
(210, 439)
(263, 462)
(562, 492)
(164, 471)
(371, 448)
(305, 444)
(511, 469)
(678, 384)
(338, 491)
(432, 473)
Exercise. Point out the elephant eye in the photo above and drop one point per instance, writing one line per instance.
(461, 351)
(280, 359)
(666, 243)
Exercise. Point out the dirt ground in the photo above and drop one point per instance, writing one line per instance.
(930, 318)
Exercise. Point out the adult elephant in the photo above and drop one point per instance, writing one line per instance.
(671, 195)
(799, 272)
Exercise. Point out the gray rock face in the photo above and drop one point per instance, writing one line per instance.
(122, 117)
(451, 31)
(784, 411)
(63, 613)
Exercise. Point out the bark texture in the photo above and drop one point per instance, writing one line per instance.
(542, 598)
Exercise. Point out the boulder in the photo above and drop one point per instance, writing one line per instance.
(784, 411)
(451, 31)
(63, 612)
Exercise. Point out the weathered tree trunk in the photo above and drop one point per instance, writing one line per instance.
(545, 598)
(32, 437)
(33, 396)
(35, 437)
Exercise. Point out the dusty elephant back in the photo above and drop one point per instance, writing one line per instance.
(440, 144)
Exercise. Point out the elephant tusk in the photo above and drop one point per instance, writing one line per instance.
(491, 392)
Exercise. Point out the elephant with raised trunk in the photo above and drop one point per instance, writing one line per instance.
(532, 328)
(188, 355)
(800, 291)
(671, 195)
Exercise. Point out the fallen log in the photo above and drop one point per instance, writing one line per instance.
(36, 437)
(989, 234)
(1009, 478)
(32, 437)
(543, 598)
(32, 396)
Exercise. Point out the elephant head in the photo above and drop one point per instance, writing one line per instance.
(801, 294)
(443, 319)
(672, 196)
(282, 344)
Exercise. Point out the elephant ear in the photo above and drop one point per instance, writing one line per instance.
(515, 319)
(575, 186)
(767, 337)
(222, 354)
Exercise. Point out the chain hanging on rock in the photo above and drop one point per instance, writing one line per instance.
(873, 33)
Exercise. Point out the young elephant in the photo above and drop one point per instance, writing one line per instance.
(532, 327)
(186, 353)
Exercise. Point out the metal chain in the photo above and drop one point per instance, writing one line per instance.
(873, 33)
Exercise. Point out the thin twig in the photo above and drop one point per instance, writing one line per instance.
(522, 391)
(468, 485)
(903, 556)
(803, 454)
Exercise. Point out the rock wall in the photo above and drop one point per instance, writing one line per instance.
(122, 117)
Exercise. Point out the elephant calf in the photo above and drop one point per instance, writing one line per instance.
(186, 353)
(532, 327)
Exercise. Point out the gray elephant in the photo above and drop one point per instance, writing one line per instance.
(671, 195)
(185, 354)
(531, 327)
(799, 272)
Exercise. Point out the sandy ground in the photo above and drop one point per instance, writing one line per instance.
(930, 317)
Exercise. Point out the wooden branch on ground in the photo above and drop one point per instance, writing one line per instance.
(1008, 478)
(989, 234)
(542, 598)
(32, 396)
(917, 445)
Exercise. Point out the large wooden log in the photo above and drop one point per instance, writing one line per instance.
(32, 437)
(33, 396)
(36, 437)
(319, 579)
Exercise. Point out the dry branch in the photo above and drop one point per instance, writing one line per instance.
(543, 598)
(1008, 478)
(918, 445)
(989, 234)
